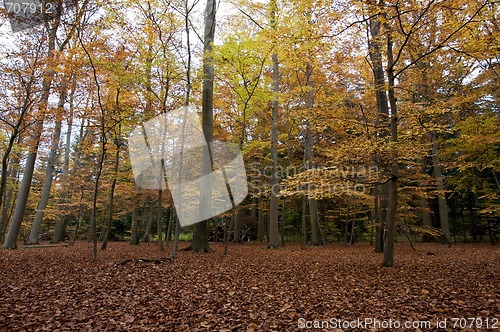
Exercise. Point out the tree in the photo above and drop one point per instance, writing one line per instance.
(22, 199)
(200, 231)
(16, 107)
(37, 222)
(274, 234)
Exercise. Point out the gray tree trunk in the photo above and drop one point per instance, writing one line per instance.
(22, 198)
(237, 227)
(308, 156)
(304, 222)
(12, 140)
(61, 219)
(261, 226)
(134, 234)
(109, 225)
(438, 176)
(390, 227)
(159, 220)
(49, 173)
(274, 234)
(8, 203)
(424, 208)
(168, 235)
(381, 125)
(200, 231)
(149, 225)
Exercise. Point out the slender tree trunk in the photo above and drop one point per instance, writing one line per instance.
(168, 235)
(102, 155)
(93, 216)
(274, 233)
(227, 231)
(390, 229)
(149, 225)
(376, 208)
(381, 125)
(346, 232)
(237, 227)
(109, 225)
(388, 260)
(254, 211)
(176, 237)
(304, 222)
(381, 217)
(12, 140)
(134, 236)
(200, 231)
(261, 226)
(424, 208)
(159, 221)
(79, 219)
(308, 156)
(61, 218)
(438, 176)
(22, 198)
(49, 174)
(315, 232)
(352, 238)
(8, 204)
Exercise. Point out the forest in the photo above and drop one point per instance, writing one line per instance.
(365, 129)
(357, 121)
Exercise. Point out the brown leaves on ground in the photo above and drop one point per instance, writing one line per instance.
(137, 288)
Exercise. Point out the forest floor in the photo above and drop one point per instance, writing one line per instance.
(137, 288)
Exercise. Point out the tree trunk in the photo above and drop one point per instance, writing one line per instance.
(380, 124)
(93, 216)
(352, 238)
(200, 231)
(424, 209)
(49, 174)
(22, 198)
(168, 235)
(381, 217)
(61, 218)
(8, 204)
(274, 234)
(134, 234)
(261, 226)
(375, 211)
(102, 155)
(109, 226)
(10, 145)
(308, 156)
(314, 221)
(176, 237)
(390, 229)
(159, 221)
(149, 225)
(237, 227)
(438, 176)
(304, 222)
